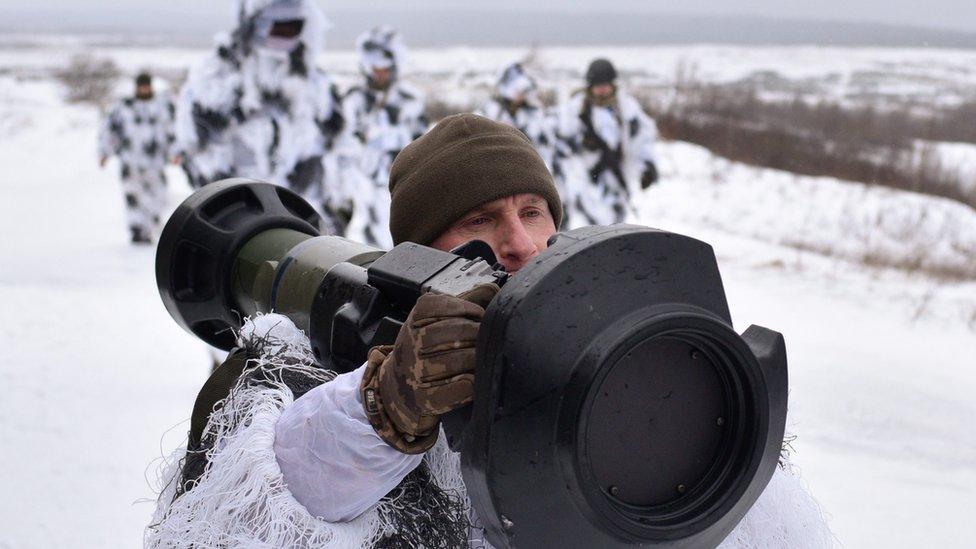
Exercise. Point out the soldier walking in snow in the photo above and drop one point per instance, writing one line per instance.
(516, 103)
(613, 141)
(259, 106)
(139, 130)
(383, 115)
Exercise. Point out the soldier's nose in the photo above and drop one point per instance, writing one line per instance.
(517, 247)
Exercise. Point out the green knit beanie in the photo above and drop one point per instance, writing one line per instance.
(465, 161)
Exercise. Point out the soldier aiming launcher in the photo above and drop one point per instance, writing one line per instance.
(609, 378)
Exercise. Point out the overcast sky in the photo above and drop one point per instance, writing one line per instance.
(196, 16)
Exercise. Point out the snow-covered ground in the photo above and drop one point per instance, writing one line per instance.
(874, 225)
(97, 380)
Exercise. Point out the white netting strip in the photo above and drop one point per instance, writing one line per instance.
(785, 515)
(240, 499)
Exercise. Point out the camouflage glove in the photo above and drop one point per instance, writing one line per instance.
(428, 372)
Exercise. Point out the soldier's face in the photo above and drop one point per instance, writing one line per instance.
(381, 77)
(144, 91)
(602, 91)
(516, 227)
(278, 28)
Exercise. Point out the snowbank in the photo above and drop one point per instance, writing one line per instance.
(872, 225)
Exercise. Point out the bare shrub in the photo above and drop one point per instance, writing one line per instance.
(950, 124)
(863, 144)
(88, 79)
(686, 75)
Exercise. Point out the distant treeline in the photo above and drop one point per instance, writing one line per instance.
(890, 147)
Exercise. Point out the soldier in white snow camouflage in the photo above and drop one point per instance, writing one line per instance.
(259, 106)
(612, 140)
(139, 131)
(382, 116)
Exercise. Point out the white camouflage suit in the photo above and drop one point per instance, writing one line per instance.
(380, 121)
(140, 133)
(612, 147)
(517, 104)
(259, 106)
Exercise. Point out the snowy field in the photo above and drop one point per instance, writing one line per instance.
(916, 75)
(882, 365)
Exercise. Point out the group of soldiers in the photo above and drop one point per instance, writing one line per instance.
(259, 107)
(599, 144)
